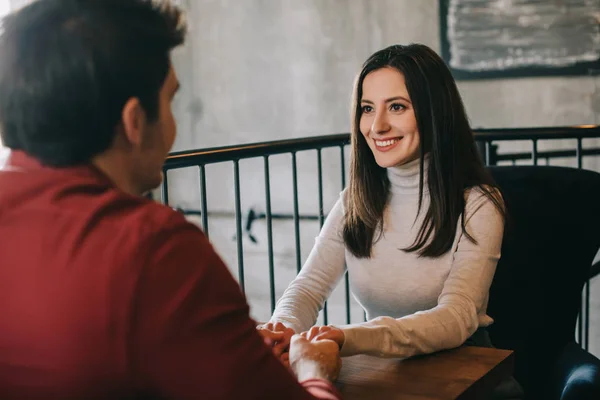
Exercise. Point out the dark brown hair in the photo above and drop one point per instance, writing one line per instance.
(67, 68)
(445, 133)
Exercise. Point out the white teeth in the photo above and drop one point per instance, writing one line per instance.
(384, 143)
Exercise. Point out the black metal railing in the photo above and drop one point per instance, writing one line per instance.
(488, 141)
(263, 150)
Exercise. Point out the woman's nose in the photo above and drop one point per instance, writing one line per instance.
(380, 124)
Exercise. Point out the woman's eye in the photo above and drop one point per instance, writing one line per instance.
(366, 109)
(397, 107)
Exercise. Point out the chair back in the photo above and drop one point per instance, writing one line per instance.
(551, 238)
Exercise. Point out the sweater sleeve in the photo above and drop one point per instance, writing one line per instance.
(462, 300)
(301, 302)
(191, 334)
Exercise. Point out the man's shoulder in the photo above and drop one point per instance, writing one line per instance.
(151, 217)
(141, 229)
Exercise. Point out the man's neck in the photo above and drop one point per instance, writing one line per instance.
(114, 168)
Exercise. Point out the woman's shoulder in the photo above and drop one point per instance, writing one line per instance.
(483, 196)
(483, 192)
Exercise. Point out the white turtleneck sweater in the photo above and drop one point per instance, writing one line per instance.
(414, 305)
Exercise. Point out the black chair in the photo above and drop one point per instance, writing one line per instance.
(550, 241)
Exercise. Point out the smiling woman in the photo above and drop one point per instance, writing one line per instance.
(420, 226)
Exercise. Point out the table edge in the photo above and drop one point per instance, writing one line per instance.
(493, 377)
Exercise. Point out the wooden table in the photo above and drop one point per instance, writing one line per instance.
(463, 373)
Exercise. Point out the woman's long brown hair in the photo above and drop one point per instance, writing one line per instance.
(455, 164)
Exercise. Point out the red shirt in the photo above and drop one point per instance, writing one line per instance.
(104, 295)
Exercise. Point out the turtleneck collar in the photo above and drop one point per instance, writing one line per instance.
(404, 179)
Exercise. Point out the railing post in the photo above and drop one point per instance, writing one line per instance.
(296, 213)
(584, 314)
(269, 232)
(346, 275)
(481, 149)
(204, 201)
(321, 214)
(238, 224)
(578, 154)
(165, 187)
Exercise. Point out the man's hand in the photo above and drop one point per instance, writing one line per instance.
(317, 359)
(317, 333)
(278, 337)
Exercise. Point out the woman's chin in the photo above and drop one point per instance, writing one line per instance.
(391, 162)
(394, 160)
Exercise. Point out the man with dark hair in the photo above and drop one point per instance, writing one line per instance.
(103, 293)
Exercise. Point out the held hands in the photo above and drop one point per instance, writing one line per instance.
(317, 357)
(317, 333)
(278, 337)
(314, 359)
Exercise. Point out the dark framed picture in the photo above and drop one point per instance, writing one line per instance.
(484, 39)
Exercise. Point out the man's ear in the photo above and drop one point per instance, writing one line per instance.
(134, 121)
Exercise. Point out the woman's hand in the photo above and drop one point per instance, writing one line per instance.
(325, 332)
(278, 337)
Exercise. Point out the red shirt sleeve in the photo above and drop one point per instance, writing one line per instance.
(191, 334)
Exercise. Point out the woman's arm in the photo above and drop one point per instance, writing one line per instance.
(463, 297)
(301, 302)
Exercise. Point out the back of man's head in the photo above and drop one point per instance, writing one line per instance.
(67, 68)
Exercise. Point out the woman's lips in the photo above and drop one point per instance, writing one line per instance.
(386, 144)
